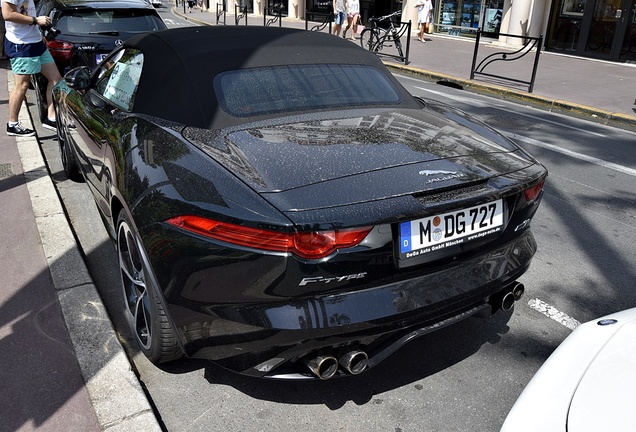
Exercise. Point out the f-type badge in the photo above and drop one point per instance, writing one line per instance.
(443, 175)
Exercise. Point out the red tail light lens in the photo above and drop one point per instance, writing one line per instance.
(532, 193)
(60, 50)
(308, 245)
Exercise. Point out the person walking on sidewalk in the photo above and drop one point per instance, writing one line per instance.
(424, 16)
(28, 54)
(352, 18)
(339, 15)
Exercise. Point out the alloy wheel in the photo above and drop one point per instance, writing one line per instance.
(146, 312)
(136, 293)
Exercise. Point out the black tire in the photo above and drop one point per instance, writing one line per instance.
(367, 39)
(39, 98)
(398, 45)
(145, 311)
(69, 163)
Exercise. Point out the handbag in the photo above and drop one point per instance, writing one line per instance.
(360, 29)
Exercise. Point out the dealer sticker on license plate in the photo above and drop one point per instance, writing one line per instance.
(449, 229)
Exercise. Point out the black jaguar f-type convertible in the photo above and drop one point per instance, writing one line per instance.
(282, 206)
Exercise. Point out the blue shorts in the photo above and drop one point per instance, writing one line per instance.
(339, 18)
(27, 59)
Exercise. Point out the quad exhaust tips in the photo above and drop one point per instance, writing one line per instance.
(326, 366)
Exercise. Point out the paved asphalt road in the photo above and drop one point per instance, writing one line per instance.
(462, 378)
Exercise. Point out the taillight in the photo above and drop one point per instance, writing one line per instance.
(308, 245)
(60, 50)
(532, 193)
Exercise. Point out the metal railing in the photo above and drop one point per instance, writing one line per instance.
(322, 19)
(277, 13)
(221, 12)
(530, 43)
(240, 12)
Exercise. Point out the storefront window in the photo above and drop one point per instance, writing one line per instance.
(457, 16)
(319, 6)
(605, 21)
(566, 26)
(492, 17)
(276, 6)
(249, 4)
(628, 49)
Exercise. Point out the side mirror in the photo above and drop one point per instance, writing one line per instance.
(78, 78)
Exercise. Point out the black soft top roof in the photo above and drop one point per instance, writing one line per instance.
(180, 65)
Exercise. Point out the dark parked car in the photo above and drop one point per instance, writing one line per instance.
(283, 206)
(83, 32)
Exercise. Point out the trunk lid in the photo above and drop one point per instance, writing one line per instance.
(368, 156)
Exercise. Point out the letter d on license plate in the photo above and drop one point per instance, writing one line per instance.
(448, 229)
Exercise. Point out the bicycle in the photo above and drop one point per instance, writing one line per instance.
(376, 38)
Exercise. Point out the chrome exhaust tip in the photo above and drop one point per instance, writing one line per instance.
(323, 367)
(518, 290)
(508, 301)
(506, 298)
(354, 362)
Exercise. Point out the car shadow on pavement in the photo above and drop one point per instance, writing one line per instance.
(421, 358)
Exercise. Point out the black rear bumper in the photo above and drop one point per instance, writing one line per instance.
(377, 321)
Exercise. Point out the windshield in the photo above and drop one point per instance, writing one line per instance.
(266, 90)
(109, 22)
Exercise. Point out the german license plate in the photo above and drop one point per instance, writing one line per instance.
(437, 232)
(100, 57)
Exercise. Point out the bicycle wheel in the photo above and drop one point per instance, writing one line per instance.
(367, 39)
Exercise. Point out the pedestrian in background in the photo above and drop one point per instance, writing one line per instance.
(339, 15)
(28, 53)
(352, 18)
(424, 16)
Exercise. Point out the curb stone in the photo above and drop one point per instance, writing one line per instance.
(117, 397)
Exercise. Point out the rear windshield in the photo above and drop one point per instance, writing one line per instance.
(266, 90)
(109, 22)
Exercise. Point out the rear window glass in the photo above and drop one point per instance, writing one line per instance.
(257, 91)
(109, 22)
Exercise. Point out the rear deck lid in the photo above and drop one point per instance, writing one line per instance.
(368, 156)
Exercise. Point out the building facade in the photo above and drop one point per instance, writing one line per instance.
(603, 29)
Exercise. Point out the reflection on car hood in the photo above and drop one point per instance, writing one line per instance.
(399, 152)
